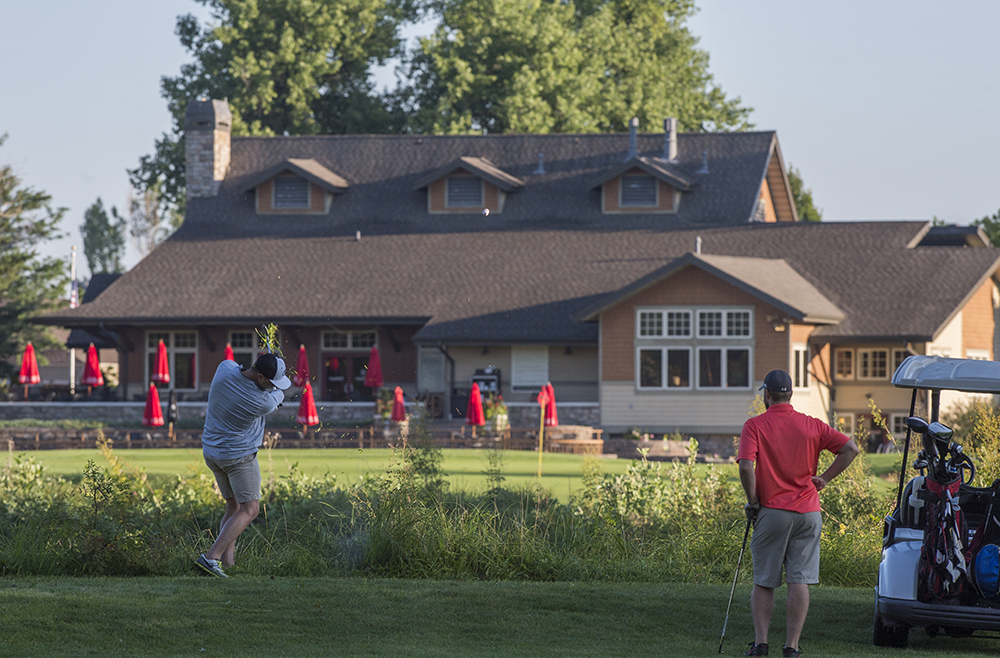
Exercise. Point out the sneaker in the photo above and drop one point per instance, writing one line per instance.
(214, 568)
(757, 649)
(788, 652)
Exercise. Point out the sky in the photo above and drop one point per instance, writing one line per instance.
(887, 108)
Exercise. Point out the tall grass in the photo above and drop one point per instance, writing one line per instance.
(654, 523)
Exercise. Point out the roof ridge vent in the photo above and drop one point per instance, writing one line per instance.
(633, 139)
(541, 165)
(670, 139)
(704, 163)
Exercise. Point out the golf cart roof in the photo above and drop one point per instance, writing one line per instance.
(940, 373)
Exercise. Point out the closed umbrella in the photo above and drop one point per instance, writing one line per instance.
(474, 414)
(153, 415)
(307, 414)
(161, 369)
(301, 376)
(29, 369)
(543, 402)
(398, 405)
(551, 416)
(92, 373)
(229, 353)
(373, 377)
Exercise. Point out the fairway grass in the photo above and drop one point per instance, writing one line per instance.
(242, 616)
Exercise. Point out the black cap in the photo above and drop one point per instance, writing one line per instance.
(777, 381)
(274, 369)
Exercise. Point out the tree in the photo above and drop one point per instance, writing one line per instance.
(991, 227)
(146, 225)
(541, 66)
(103, 241)
(29, 285)
(803, 197)
(294, 67)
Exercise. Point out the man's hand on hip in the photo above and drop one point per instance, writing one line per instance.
(819, 483)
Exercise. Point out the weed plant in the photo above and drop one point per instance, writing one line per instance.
(655, 523)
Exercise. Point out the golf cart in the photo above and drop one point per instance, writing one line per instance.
(935, 571)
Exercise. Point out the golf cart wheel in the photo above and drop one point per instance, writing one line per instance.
(885, 635)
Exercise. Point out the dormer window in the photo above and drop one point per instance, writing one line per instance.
(291, 192)
(464, 192)
(638, 191)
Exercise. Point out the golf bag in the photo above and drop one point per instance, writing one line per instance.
(943, 566)
(984, 552)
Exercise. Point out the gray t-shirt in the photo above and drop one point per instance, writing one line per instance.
(234, 420)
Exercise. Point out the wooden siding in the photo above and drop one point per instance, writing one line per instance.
(688, 287)
(684, 411)
(977, 320)
(611, 193)
(765, 198)
(777, 184)
(264, 201)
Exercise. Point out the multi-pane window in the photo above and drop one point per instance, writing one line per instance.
(899, 425)
(800, 366)
(678, 323)
(710, 323)
(898, 356)
(246, 347)
(738, 323)
(844, 364)
(638, 191)
(464, 192)
(724, 368)
(291, 192)
(182, 357)
(845, 423)
(665, 368)
(873, 364)
(333, 340)
(650, 323)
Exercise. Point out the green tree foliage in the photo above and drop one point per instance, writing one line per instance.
(295, 67)
(539, 66)
(103, 240)
(991, 227)
(803, 197)
(29, 285)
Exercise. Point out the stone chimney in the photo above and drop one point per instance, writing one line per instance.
(670, 139)
(207, 132)
(633, 139)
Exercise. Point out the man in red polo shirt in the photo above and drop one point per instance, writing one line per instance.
(783, 501)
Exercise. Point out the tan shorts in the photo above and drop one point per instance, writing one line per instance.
(237, 478)
(789, 540)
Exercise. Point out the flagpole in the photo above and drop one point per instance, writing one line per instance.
(73, 302)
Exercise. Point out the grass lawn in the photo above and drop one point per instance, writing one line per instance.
(199, 616)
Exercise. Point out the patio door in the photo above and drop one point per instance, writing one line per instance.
(344, 377)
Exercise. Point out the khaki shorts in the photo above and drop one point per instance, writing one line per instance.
(789, 540)
(237, 478)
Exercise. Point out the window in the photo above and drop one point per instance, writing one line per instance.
(978, 355)
(738, 323)
(348, 340)
(291, 192)
(650, 368)
(800, 366)
(638, 191)
(182, 357)
(845, 423)
(529, 366)
(898, 356)
(464, 192)
(431, 371)
(246, 347)
(650, 323)
(844, 364)
(678, 323)
(873, 364)
(898, 426)
(724, 368)
(709, 323)
(678, 368)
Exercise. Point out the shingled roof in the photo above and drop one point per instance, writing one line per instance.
(504, 286)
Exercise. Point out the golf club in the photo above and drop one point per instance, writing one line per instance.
(267, 337)
(739, 561)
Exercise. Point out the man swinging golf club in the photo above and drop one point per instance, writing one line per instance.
(778, 457)
(234, 429)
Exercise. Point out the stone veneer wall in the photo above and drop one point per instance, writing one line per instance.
(130, 413)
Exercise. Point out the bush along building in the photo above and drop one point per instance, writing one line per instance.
(654, 279)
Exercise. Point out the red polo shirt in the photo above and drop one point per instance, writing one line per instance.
(785, 446)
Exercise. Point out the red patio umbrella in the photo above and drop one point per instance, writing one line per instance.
(153, 415)
(29, 369)
(301, 376)
(92, 373)
(373, 377)
(398, 405)
(474, 414)
(551, 416)
(307, 409)
(229, 353)
(161, 370)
